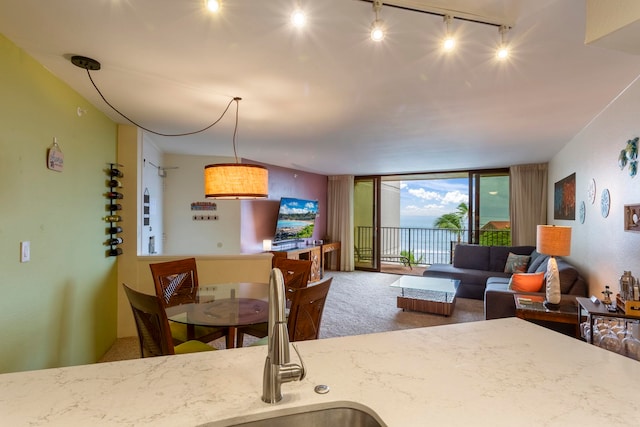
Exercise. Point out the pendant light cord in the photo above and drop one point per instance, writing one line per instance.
(235, 128)
(172, 134)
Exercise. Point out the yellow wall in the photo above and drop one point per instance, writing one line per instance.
(58, 309)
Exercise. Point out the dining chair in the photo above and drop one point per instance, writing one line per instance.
(295, 273)
(305, 315)
(152, 324)
(176, 282)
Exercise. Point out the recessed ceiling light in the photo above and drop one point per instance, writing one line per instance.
(298, 18)
(212, 5)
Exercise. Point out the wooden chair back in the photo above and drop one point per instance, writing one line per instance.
(305, 314)
(176, 282)
(295, 272)
(151, 322)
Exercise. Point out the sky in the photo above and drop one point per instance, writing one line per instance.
(421, 202)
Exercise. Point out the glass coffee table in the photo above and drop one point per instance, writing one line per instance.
(427, 294)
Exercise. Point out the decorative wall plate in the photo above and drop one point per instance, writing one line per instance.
(582, 213)
(591, 191)
(605, 201)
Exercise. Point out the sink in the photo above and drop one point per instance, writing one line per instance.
(341, 415)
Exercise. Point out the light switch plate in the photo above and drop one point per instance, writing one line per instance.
(25, 251)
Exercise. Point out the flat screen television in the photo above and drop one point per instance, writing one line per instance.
(296, 219)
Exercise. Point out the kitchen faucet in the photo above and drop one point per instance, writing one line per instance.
(277, 369)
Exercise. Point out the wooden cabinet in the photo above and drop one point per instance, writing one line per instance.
(315, 254)
(327, 250)
(310, 253)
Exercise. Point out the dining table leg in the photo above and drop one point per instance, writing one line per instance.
(231, 337)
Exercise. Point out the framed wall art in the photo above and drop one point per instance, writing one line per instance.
(564, 198)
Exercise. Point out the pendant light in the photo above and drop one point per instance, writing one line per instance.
(235, 180)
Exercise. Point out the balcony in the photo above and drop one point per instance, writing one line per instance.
(405, 249)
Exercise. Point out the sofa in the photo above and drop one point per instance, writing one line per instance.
(473, 265)
(481, 271)
(498, 298)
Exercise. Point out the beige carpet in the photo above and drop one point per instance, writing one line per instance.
(358, 303)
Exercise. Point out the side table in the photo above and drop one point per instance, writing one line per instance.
(531, 307)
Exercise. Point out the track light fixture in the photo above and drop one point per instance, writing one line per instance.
(448, 15)
(377, 27)
(449, 42)
(503, 49)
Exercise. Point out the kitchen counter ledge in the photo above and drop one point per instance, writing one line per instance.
(501, 372)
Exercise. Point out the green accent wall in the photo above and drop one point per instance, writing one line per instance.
(58, 309)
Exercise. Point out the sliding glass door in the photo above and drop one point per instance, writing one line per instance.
(417, 219)
(366, 218)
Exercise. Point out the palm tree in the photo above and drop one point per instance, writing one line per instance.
(455, 221)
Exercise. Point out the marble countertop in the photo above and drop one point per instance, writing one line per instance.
(502, 372)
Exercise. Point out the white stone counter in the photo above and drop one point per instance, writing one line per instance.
(505, 372)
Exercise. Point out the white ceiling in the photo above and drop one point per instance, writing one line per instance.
(327, 99)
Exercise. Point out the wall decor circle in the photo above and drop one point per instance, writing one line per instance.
(583, 212)
(591, 191)
(605, 201)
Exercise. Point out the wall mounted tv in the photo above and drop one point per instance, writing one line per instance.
(296, 219)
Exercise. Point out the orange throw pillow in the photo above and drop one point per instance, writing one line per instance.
(527, 282)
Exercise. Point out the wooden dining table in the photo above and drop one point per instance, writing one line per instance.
(229, 305)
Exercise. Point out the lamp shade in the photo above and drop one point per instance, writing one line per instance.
(235, 181)
(553, 240)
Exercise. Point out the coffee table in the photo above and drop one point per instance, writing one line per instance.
(427, 294)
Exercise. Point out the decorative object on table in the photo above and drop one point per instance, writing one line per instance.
(605, 202)
(55, 157)
(591, 191)
(554, 241)
(629, 156)
(607, 296)
(628, 300)
(627, 285)
(632, 218)
(564, 200)
(582, 212)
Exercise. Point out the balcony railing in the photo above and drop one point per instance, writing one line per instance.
(422, 246)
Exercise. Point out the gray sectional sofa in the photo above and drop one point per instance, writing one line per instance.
(474, 264)
(480, 270)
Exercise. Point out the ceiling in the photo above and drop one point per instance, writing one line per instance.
(325, 98)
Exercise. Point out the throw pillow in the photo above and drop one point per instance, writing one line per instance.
(537, 259)
(527, 282)
(516, 263)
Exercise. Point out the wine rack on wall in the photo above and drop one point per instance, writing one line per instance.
(114, 207)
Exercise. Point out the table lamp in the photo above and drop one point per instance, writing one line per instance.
(554, 241)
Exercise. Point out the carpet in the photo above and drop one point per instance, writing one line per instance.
(362, 303)
(359, 302)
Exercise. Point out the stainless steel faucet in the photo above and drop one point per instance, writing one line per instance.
(277, 369)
